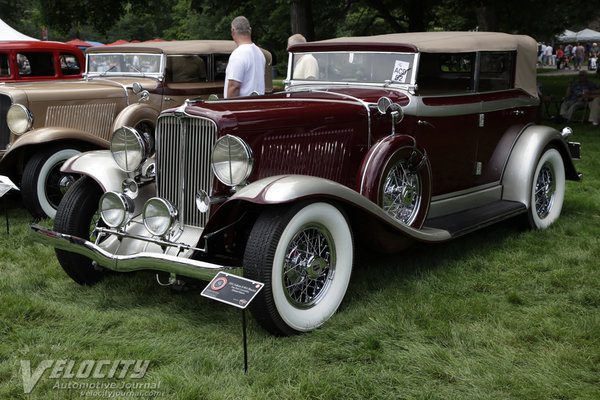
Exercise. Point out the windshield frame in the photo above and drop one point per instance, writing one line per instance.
(156, 75)
(410, 81)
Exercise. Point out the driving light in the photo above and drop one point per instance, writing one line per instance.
(159, 216)
(232, 160)
(129, 148)
(115, 209)
(19, 119)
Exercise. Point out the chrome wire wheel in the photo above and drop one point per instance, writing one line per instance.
(545, 190)
(309, 265)
(402, 193)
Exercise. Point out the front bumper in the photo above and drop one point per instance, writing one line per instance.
(136, 262)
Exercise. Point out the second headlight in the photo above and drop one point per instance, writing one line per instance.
(232, 160)
(159, 216)
(115, 209)
(129, 148)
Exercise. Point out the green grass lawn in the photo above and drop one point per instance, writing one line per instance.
(499, 314)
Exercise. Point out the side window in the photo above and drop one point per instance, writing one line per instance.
(496, 70)
(69, 64)
(4, 65)
(446, 72)
(35, 64)
(219, 67)
(186, 68)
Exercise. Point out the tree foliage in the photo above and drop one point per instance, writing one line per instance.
(273, 21)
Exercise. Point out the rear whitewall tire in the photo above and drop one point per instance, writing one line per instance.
(547, 190)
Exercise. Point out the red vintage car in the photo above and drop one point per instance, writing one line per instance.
(383, 140)
(32, 61)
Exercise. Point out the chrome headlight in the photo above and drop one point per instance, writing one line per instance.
(159, 216)
(19, 119)
(232, 160)
(129, 148)
(115, 209)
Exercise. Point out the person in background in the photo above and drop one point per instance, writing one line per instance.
(548, 55)
(245, 71)
(579, 55)
(306, 66)
(577, 95)
(560, 55)
(593, 54)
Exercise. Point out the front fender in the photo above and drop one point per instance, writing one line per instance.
(134, 114)
(517, 178)
(45, 136)
(285, 189)
(98, 165)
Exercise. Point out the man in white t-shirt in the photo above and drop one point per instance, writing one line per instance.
(245, 71)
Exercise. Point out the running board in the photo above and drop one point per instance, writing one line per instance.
(463, 222)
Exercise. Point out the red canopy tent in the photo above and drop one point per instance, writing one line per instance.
(120, 41)
(155, 40)
(79, 43)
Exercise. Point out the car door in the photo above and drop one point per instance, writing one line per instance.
(448, 112)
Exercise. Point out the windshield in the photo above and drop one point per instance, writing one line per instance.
(346, 66)
(124, 64)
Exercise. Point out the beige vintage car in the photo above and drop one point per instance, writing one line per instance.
(43, 124)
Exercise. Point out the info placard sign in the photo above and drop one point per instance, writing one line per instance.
(232, 289)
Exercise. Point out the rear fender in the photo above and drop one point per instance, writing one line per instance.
(517, 178)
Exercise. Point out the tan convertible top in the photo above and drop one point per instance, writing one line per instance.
(453, 42)
(173, 47)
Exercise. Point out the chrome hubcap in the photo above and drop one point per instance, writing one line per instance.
(309, 266)
(545, 189)
(65, 183)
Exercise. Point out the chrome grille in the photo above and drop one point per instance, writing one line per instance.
(96, 119)
(5, 103)
(183, 152)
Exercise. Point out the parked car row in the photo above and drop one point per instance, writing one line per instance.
(44, 124)
(394, 139)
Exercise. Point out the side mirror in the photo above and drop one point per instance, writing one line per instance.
(385, 106)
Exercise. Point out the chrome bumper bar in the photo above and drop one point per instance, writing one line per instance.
(134, 262)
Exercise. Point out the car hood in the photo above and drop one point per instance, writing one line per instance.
(314, 106)
(72, 90)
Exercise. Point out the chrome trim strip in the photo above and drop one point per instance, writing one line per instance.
(126, 263)
(362, 180)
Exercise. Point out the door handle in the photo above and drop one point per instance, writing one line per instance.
(425, 123)
(518, 112)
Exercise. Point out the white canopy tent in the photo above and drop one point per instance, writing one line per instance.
(567, 36)
(585, 35)
(8, 33)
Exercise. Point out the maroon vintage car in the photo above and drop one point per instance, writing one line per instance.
(384, 140)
